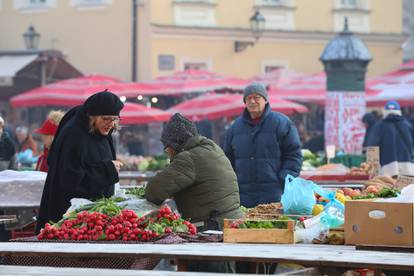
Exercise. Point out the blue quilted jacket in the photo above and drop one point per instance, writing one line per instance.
(262, 155)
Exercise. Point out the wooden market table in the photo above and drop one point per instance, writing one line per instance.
(11, 270)
(335, 181)
(321, 256)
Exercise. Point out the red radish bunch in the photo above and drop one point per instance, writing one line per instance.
(83, 226)
(126, 226)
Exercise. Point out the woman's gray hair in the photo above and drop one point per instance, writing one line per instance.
(92, 122)
(1, 121)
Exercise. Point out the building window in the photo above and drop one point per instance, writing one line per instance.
(166, 62)
(279, 14)
(357, 12)
(289, 3)
(356, 22)
(195, 66)
(270, 68)
(271, 65)
(38, 2)
(269, 2)
(278, 19)
(34, 5)
(352, 4)
(196, 1)
(89, 3)
(198, 13)
(349, 3)
(194, 16)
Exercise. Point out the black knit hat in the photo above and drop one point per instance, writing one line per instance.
(255, 88)
(177, 131)
(103, 103)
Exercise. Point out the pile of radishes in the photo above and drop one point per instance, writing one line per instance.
(125, 226)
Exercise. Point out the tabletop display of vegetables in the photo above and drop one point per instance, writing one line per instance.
(137, 191)
(280, 223)
(114, 224)
(383, 193)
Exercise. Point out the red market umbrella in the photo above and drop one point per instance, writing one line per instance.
(139, 114)
(213, 106)
(403, 93)
(396, 85)
(189, 81)
(74, 91)
(310, 89)
(403, 74)
(276, 78)
(306, 89)
(68, 92)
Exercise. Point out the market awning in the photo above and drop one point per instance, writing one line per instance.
(133, 114)
(395, 85)
(213, 106)
(187, 81)
(68, 92)
(277, 77)
(11, 65)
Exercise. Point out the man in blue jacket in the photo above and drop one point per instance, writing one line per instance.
(395, 137)
(263, 147)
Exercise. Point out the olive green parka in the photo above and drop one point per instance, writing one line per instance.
(201, 180)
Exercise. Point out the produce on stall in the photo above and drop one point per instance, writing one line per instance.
(279, 223)
(311, 160)
(379, 186)
(105, 220)
(138, 192)
(264, 211)
(363, 169)
(280, 230)
(143, 164)
(324, 224)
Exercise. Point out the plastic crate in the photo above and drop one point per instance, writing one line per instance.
(27, 231)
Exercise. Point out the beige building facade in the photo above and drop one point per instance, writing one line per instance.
(96, 35)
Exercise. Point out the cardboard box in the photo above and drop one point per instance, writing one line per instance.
(379, 223)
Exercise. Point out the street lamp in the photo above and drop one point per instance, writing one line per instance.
(31, 38)
(257, 25)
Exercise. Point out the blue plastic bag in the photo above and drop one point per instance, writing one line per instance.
(26, 157)
(298, 199)
(333, 213)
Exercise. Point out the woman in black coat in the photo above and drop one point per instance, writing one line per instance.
(82, 161)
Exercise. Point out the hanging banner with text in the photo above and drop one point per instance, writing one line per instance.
(343, 121)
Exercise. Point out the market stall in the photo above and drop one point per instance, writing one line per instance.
(124, 232)
(20, 194)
